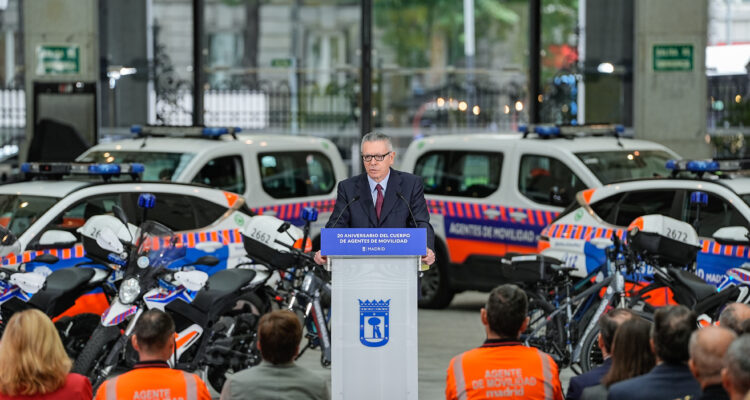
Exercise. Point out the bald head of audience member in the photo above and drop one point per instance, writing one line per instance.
(734, 316)
(736, 373)
(708, 346)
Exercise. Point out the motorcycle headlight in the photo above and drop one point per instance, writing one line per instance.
(129, 290)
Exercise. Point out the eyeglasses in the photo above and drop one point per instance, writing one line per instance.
(377, 157)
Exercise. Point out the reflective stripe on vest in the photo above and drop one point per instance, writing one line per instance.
(191, 388)
(547, 373)
(458, 375)
(191, 391)
(111, 389)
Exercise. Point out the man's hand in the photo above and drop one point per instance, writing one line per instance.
(429, 259)
(321, 260)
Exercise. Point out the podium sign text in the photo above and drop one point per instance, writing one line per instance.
(374, 311)
(374, 242)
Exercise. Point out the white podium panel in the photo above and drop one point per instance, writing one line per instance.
(374, 327)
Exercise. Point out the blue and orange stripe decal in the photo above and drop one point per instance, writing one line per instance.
(478, 211)
(587, 233)
(293, 211)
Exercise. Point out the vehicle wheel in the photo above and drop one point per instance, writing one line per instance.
(546, 334)
(90, 362)
(591, 354)
(436, 291)
(256, 303)
(76, 331)
(219, 364)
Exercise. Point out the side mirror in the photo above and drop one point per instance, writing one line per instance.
(54, 239)
(558, 196)
(732, 235)
(120, 214)
(7, 237)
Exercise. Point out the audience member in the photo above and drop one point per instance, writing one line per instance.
(735, 376)
(671, 377)
(631, 357)
(151, 377)
(707, 349)
(502, 366)
(33, 362)
(277, 377)
(733, 316)
(608, 324)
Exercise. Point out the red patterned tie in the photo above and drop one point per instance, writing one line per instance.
(379, 201)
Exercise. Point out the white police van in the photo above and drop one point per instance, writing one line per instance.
(277, 175)
(50, 209)
(711, 195)
(492, 194)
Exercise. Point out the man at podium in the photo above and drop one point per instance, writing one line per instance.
(381, 197)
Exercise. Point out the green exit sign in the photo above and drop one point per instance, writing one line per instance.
(673, 57)
(281, 62)
(58, 60)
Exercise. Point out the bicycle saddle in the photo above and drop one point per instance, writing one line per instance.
(699, 288)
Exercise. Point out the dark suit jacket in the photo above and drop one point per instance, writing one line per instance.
(714, 392)
(591, 378)
(394, 214)
(664, 382)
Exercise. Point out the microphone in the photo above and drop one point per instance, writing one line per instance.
(401, 196)
(344, 209)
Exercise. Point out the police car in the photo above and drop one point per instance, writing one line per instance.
(48, 211)
(278, 175)
(492, 194)
(713, 196)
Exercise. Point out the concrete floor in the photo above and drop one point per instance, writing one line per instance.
(442, 335)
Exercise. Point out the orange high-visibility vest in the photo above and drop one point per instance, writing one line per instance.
(154, 383)
(503, 369)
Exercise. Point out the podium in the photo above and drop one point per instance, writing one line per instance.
(374, 311)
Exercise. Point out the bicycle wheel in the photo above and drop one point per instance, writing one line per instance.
(545, 333)
(591, 354)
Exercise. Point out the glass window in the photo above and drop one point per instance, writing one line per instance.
(716, 214)
(207, 212)
(225, 173)
(460, 173)
(636, 204)
(175, 211)
(75, 216)
(158, 166)
(547, 180)
(296, 174)
(18, 212)
(613, 166)
(606, 209)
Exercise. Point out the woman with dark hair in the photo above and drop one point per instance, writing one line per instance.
(631, 357)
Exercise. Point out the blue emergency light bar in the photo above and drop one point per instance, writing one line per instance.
(93, 169)
(571, 131)
(703, 166)
(184, 131)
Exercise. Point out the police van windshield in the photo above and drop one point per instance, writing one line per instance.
(18, 212)
(159, 166)
(613, 166)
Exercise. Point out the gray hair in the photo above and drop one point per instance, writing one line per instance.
(732, 316)
(376, 136)
(707, 347)
(737, 363)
